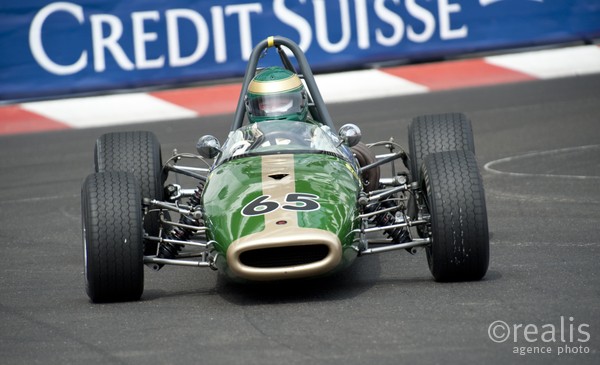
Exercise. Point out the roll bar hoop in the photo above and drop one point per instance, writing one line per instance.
(317, 108)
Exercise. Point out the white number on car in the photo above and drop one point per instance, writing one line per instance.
(294, 201)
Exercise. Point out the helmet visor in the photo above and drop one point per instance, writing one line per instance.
(275, 105)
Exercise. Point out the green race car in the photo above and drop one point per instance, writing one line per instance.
(286, 196)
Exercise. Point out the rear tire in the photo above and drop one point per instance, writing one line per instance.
(112, 237)
(459, 229)
(437, 133)
(138, 153)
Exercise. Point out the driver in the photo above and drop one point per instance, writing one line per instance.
(276, 94)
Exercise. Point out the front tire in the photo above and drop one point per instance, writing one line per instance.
(459, 229)
(112, 237)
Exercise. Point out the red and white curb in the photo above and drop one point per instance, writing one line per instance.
(119, 109)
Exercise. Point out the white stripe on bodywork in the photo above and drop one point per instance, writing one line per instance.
(278, 180)
(278, 189)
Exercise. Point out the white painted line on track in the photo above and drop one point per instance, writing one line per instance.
(547, 64)
(488, 166)
(364, 84)
(108, 110)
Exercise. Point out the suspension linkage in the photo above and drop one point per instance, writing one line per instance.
(383, 161)
(196, 229)
(173, 207)
(178, 242)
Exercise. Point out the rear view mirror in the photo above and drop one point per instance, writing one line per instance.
(350, 134)
(208, 146)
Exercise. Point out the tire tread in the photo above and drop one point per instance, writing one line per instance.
(112, 217)
(456, 198)
(438, 133)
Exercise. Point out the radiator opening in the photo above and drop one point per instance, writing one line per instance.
(284, 256)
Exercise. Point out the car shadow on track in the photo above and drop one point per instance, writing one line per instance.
(353, 282)
(365, 274)
(348, 283)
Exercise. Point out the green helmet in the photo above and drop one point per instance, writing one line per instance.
(276, 94)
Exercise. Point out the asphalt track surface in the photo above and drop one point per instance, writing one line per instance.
(538, 145)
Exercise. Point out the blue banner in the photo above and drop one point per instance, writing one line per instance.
(54, 48)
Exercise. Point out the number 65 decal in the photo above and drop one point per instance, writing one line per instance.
(295, 201)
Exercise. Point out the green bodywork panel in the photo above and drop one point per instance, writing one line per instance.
(234, 184)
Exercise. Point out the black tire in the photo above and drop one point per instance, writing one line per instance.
(112, 237)
(459, 229)
(437, 133)
(138, 153)
(365, 156)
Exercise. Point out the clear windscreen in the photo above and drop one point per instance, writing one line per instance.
(281, 135)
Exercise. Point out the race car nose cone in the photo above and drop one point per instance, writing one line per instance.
(283, 255)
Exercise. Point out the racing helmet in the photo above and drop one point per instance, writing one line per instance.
(276, 94)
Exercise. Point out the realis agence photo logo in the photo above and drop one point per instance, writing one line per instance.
(566, 336)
